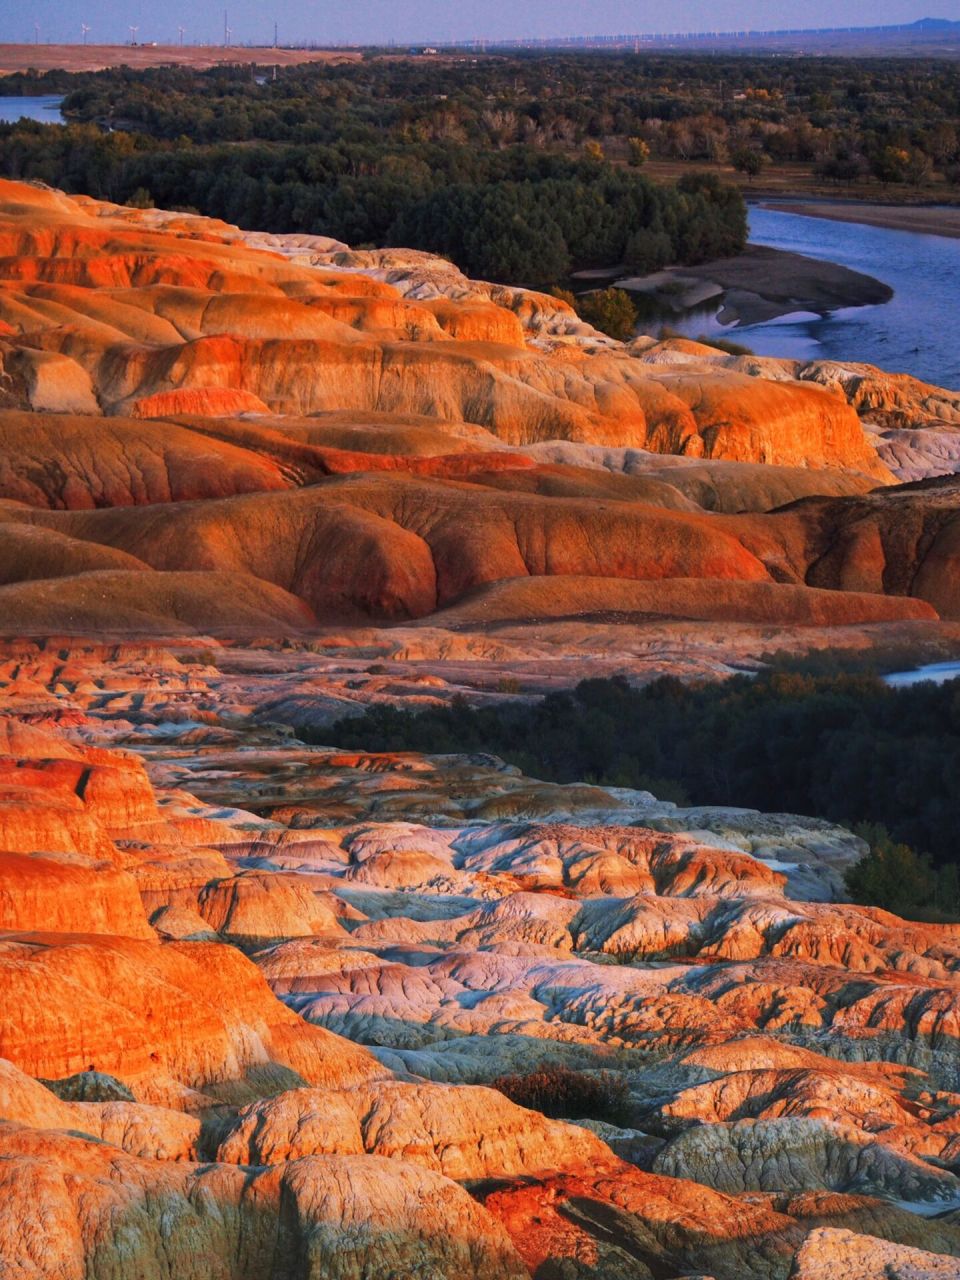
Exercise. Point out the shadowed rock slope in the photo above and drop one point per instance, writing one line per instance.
(395, 545)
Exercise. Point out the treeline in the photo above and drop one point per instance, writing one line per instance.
(896, 877)
(520, 215)
(895, 120)
(845, 747)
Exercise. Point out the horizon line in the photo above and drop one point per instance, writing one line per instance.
(515, 41)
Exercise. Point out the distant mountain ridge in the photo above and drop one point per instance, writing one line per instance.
(928, 35)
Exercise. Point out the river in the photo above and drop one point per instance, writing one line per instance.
(45, 109)
(913, 333)
(938, 672)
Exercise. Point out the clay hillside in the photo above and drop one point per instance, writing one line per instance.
(281, 1011)
(209, 429)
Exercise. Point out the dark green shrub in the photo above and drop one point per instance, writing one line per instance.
(611, 311)
(564, 1094)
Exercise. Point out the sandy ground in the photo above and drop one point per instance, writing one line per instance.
(788, 282)
(95, 57)
(761, 284)
(932, 220)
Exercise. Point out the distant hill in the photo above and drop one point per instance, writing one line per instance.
(927, 37)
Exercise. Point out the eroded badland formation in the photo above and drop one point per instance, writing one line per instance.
(254, 992)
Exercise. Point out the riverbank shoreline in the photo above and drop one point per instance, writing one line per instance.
(931, 220)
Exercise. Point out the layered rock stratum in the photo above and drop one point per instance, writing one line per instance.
(260, 997)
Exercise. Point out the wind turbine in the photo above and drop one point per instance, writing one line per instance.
(36, 33)
(180, 31)
(83, 31)
(133, 34)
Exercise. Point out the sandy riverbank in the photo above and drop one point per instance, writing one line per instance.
(931, 220)
(761, 284)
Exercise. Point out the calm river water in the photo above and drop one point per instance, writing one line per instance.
(938, 672)
(916, 332)
(45, 109)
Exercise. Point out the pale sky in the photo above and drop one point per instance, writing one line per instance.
(410, 21)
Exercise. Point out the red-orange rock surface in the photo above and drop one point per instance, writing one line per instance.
(255, 992)
(165, 1018)
(158, 603)
(72, 1207)
(368, 436)
(453, 953)
(781, 604)
(396, 545)
(141, 321)
(59, 897)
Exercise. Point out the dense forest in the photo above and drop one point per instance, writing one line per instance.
(520, 168)
(896, 119)
(518, 216)
(845, 747)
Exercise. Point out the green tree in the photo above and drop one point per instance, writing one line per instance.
(890, 164)
(890, 875)
(748, 160)
(611, 311)
(841, 166)
(638, 152)
(565, 295)
(648, 250)
(919, 169)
